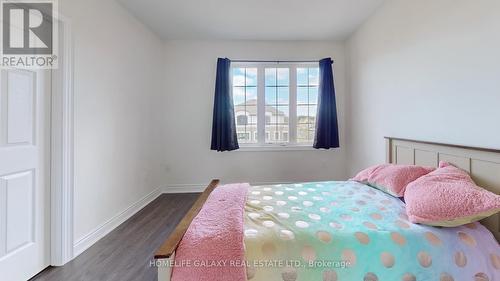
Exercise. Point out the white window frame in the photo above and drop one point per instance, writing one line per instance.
(261, 145)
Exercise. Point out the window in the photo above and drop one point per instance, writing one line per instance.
(245, 103)
(243, 137)
(268, 119)
(241, 120)
(307, 103)
(285, 136)
(277, 100)
(276, 104)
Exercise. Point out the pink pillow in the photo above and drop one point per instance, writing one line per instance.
(391, 178)
(448, 197)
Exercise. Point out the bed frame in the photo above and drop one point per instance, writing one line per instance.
(166, 253)
(482, 163)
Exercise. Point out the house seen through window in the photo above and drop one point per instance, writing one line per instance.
(275, 104)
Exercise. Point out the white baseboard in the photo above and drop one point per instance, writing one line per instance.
(196, 188)
(184, 188)
(102, 230)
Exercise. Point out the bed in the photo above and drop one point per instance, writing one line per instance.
(350, 231)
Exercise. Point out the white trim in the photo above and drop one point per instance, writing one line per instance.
(102, 230)
(184, 188)
(277, 147)
(261, 106)
(62, 150)
(200, 187)
(272, 63)
(292, 121)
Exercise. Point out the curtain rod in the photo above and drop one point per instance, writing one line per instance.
(276, 61)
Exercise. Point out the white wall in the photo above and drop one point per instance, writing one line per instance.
(117, 83)
(417, 69)
(426, 70)
(188, 105)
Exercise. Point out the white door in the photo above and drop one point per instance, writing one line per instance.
(24, 169)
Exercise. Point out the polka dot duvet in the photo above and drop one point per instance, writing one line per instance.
(349, 231)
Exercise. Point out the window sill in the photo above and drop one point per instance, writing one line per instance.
(255, 148)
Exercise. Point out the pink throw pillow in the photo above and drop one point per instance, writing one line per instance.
(391, 178)
(448, 197)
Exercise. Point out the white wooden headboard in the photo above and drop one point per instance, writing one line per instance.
(483, 164)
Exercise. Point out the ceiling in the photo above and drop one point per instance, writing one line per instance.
(252, 19)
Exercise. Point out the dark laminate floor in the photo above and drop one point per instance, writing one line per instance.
(124, 254)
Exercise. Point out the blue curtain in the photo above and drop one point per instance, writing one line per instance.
(327, 131)
(224, 136)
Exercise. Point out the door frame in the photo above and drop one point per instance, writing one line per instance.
(62, 149)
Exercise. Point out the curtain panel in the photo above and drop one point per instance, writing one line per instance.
(327, 131)
(224, 136)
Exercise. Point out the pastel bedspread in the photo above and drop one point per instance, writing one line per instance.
(349, 231)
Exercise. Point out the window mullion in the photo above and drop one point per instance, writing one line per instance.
(261, 105)
(292, 120)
